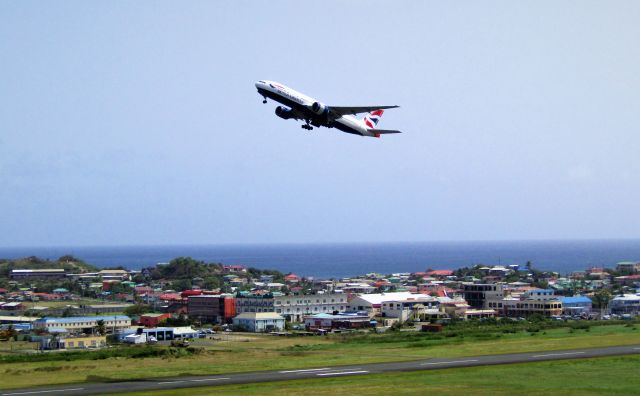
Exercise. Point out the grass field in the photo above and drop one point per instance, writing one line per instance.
(584, 377)
(237, 353)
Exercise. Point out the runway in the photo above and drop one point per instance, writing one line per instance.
(320, 372)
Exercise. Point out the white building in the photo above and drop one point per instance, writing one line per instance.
(82, 323)
(417, 306)
(258, 322)
(372, 303)
(294, 307)
(626, 304)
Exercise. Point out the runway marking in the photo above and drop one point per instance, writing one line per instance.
(344, 373)
(559, 354)
(450, 362)
(304, 371)
(43, 391)
(170, 382)
(209, 379)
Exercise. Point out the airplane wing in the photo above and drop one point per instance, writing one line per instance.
(383, 131)
(353, 110)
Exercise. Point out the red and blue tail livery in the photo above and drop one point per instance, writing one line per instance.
(316, 114)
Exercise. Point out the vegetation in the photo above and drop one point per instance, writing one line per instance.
(131, 352)
(68, 263)
(241, 353)
(610, 376)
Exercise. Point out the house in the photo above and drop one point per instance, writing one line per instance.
(234, 268)
(439, 273)
(83, 342)
(258, 322)
(292, 278)
(627, 280)
(12, 306)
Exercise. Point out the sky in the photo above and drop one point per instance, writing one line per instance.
(126, 123)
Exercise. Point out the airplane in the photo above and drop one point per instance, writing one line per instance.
(316, 114)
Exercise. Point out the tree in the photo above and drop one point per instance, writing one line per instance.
(601, 298)
(137, 309)
(100, 327)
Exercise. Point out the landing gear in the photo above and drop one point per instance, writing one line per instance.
(265, 99)
(306, 126)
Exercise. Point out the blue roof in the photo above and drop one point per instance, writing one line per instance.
(83, 319)
(575, 300)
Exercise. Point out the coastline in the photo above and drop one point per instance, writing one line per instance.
(335, 260)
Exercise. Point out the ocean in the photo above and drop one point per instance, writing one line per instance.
(337, 260)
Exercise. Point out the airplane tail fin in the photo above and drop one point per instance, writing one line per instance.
(372, 119)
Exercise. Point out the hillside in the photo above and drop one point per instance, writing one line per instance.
(69, 263)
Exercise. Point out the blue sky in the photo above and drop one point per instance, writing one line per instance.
(138, 122)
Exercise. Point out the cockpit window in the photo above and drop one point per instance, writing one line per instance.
(261, 82)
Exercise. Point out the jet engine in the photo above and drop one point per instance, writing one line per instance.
(319, 108)
(284, 112)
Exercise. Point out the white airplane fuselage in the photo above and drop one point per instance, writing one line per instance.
(301, 108)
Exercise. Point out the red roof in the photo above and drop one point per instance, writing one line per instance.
(188, 293)
(440, 273)
(3, 290)
(292, 277)
(170, 296)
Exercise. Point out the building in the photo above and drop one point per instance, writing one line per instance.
(478, 314)
(254, 302)
(153, 319)
(258, 322)
(577, 305)
(478, 295)
(372, 303)
(160, 333)
(83, 342)
(49, 273)
(522, 308)
(295, 307)
(628, 267)
(82, 324)
(12, 306)
(114, 274)
(345, 320)
(211, 308)
(234, 268)
(415, 307)
(625, 304)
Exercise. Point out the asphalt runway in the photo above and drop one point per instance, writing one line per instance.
(320, 372)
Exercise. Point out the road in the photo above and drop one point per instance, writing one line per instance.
(320, 372)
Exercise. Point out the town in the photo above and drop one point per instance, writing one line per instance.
(67, 304)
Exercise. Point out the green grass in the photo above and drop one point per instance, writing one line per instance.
(238, 353)
(583, 377)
